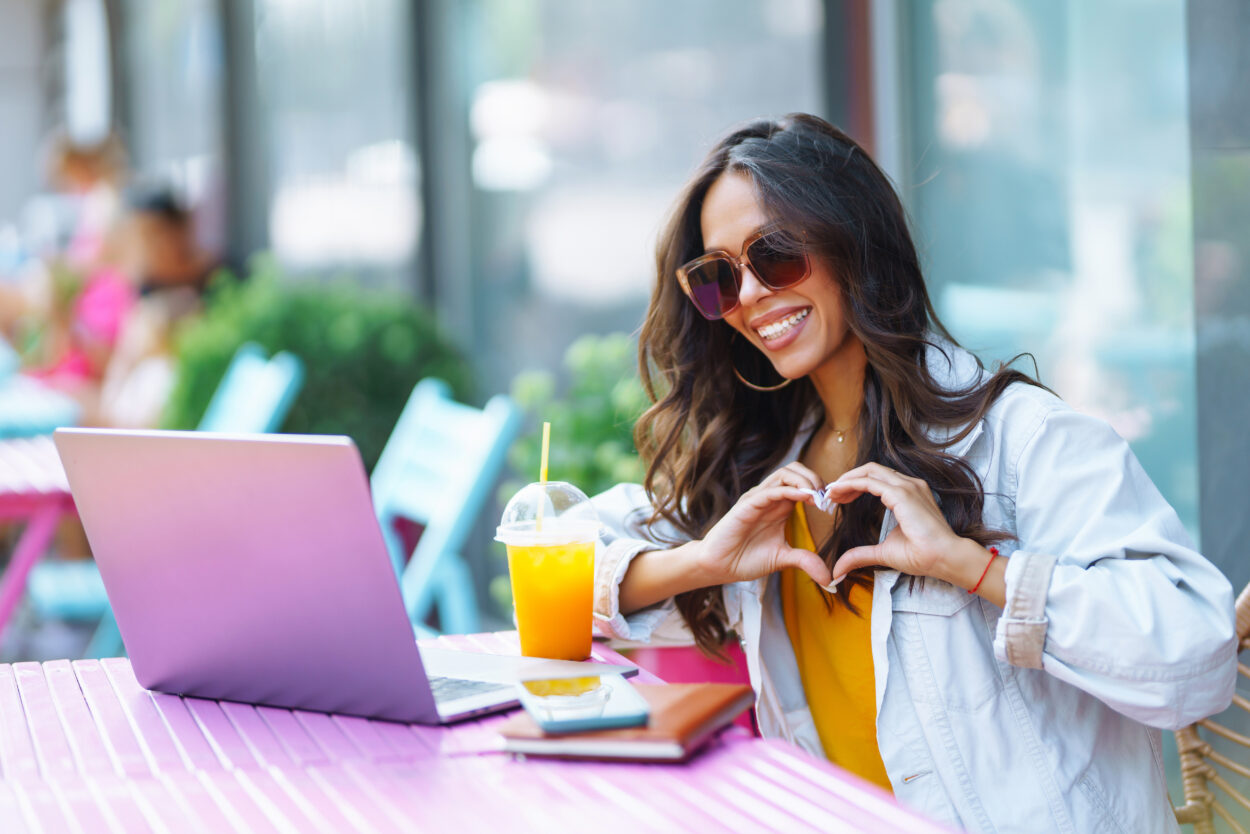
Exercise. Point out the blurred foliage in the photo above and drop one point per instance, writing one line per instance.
(43, 338)
(66, 283)
(592, 424)
(363, 351)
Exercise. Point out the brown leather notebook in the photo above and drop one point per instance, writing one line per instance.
(683, 717)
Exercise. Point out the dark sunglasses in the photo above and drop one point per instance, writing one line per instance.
(712, 281)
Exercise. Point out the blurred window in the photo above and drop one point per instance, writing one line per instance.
(335, 124)
(172, 63)
(1047, 173)
(88, 88)
(24, 112)
(585, 120)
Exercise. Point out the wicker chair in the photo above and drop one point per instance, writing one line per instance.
(1199, 760)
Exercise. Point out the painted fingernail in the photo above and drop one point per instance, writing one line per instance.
(832, 587)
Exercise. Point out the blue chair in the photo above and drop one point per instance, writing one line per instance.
(28, 407)
(437, 469)
(253, 396)
(8, 359)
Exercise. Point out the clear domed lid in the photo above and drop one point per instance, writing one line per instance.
(567, 515)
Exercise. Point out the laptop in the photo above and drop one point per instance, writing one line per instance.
(252, 568)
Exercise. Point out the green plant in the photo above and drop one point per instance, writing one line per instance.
(363, 351)
(592, 424)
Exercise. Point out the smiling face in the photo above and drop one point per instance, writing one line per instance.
(801, 329)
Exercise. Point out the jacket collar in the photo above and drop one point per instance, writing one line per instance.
(954, 369)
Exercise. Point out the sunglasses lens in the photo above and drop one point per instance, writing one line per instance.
(712, 287)
(777, 261)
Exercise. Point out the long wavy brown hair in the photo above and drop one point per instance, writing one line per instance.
(707, 438)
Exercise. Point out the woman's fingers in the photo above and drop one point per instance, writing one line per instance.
(766, 504)
(768, 494)
(810, 564)
(858, 557)
(880, 472)
(845, 490)
(890, 486)
(768, 497)
(876, 473)
(794, 474)
(810, 478)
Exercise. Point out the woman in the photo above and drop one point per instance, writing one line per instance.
(995, 609)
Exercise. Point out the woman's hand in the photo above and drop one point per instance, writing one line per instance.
(750, 540)
(923, 543)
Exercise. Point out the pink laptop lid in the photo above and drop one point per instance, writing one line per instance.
(249, 568)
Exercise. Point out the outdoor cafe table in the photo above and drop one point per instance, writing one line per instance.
(84, 748)
(33, 489)
(34, 493)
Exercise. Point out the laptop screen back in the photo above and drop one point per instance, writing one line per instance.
(248, 568)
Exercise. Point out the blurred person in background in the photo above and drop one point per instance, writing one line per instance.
(99, 323)
(91, 177)
(74, 314)
(171, 270)
(170, 256)
(945, 579)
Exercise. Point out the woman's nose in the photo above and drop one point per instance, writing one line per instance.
(751, 290)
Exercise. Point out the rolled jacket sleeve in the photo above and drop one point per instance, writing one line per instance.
(1106, 591)
(625, 513)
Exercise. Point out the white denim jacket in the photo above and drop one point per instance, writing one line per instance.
(1042, 717)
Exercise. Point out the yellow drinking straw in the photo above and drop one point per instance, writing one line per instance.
(542, 474)
(542, 471)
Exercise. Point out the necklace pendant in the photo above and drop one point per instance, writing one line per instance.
(841, 436)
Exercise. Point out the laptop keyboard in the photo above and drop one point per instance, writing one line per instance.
(448, 689)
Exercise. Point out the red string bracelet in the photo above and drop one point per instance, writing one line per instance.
(986, 572)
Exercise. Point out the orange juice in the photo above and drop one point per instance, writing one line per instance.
(553, 588)
(550, 529)
(563, 687)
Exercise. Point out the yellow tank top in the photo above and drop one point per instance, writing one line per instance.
(834, 653)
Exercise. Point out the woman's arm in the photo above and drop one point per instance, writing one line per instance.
(657, 575)
(923, 543)
(628, 535)
(1107, 592)
(747, 543)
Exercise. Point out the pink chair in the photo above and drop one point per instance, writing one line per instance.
(686, 664)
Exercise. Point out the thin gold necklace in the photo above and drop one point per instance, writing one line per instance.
(839, 433)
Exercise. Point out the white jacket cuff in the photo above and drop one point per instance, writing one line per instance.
(1021, 634)
(611, 564)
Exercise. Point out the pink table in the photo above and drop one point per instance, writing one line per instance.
(83, 747)
(33, 490)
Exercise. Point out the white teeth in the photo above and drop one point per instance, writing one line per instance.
(779, 328)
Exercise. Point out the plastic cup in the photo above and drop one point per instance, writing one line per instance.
(551, 560)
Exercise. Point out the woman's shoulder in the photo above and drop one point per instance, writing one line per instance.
(1024, 406)
(1017, 411)
(627, 511)
(625, 505)
(1028, 420)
